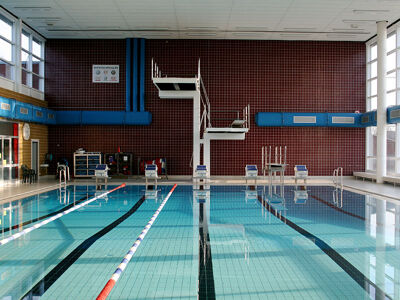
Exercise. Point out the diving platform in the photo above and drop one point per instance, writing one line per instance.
(230, 124)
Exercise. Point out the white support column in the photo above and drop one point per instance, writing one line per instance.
(196, 130)
(381, 110)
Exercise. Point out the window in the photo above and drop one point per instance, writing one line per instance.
(32, 62)
(6, 47)
(392, 98)
(21, 58)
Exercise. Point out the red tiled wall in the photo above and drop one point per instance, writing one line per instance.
(269, 75)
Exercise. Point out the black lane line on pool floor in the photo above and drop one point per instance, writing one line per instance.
(45, 216)
(206, 288)
(43, 285)
(354, 273)
(337, 208)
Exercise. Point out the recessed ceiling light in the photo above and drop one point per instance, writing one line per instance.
(156, 34)
(151, 29)
(338, 35)
(300, 29)
(370, 11)
(349, 29)
(247, 34)
(34, 8)
(201, 34)
(202, 28)
(45, 18)
(104, 28)
(295, 35)
(349, 21)
(252, 28)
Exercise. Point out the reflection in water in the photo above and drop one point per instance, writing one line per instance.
(383, 224)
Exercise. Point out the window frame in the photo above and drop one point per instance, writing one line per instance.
(369, 136)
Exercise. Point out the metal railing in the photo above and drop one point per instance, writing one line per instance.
(337, 194)
(337, 177)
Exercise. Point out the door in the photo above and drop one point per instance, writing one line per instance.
(35, 156)
(6, 163)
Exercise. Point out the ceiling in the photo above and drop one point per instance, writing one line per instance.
(345, 20)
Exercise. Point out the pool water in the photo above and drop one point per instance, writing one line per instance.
(231, 242)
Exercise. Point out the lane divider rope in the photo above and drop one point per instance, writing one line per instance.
(117, 273)
(57, 216)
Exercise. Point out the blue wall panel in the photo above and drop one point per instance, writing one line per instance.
(393, 114)
(138, 118)
(348, 116)
(269, 119)
(7, 108)
(69, 117)
(103, 117)
(23, 111)
(39, 114)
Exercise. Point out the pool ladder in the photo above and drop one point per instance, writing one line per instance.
(337, 194)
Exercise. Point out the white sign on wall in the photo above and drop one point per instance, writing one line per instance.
(105, 74)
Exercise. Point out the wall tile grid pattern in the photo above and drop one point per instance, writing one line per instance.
(293, 76)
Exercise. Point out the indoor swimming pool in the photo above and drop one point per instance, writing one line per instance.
(229, 242)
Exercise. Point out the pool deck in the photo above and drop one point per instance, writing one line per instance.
(17, 190)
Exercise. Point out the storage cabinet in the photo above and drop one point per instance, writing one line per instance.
(85, 163)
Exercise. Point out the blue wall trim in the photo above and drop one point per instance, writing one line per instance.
(13, 109)
(368, 119)
(278, 119)
(142, 71)
(393, 120)
(135, 75)
(103, 118)
(128, 94)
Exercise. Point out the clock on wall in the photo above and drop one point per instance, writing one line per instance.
(26, 131)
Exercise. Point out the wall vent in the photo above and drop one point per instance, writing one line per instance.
(365, 119)
(342, 120)
(305, 119)
(5, 106)
(394, 114)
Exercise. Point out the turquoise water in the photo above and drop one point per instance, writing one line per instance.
(228, 243)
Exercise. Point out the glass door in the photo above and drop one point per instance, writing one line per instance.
(6, 159)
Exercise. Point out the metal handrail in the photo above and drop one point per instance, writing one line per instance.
(338, 177)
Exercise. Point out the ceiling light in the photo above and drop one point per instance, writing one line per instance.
(45, 18)
(247, 34)
(339, 35)
(202, 28)
(370, 11)
(348, 21)
(300, 29)
(151, 29)
(34, 8)
(246, 28)
(300, 35)
(201, 34)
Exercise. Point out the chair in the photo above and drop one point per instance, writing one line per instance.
(28, 174)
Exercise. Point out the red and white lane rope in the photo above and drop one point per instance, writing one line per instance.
(114, 278)
(57, 216)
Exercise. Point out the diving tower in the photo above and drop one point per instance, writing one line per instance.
(192, 88)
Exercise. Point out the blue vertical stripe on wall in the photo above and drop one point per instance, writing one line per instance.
(128, 94)
(142, 72)
(135, 75)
